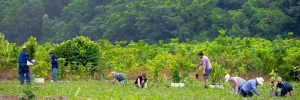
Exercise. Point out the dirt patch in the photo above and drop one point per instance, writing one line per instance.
(13, 97)
(8, 74)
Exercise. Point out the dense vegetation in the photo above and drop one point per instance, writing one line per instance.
(81, 57)
(148, 20)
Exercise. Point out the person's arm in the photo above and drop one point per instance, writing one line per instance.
(231, 89)
(236, 86)
(114, 81)
(255, 89)
(139, 83)
(27, 58)
(204, 62)
(145, 84)
(291, 93)
(274, 88)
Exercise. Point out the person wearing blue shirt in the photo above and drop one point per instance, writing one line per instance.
(23, 67)
(54, 63)
(118, 77)
(250, 86)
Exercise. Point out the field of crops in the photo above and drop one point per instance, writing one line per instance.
(104, 90)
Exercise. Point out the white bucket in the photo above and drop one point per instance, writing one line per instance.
(177, 84)
(217, 86)
(39, 80)
(29, 63)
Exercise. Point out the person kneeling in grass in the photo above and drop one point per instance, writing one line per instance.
(286, 89)
(235, 82)
(140, 81)
(250, 86)
(118, 77)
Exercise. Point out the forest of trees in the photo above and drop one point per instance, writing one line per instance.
(148, 20)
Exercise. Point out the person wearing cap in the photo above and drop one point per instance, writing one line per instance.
(208, 68)
(23, 67)
(54, 63)
(250, 86)
(286, 88)
(118, 77)
(235, 82)
(140, 81)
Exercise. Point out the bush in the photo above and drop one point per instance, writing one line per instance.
(79, 51)
(8, 53)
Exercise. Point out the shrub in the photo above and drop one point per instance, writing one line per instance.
(79, 51)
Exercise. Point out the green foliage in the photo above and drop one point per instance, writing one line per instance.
(62, 70)
(43, 65)
(175, 75)
(80, 58)
(31, 46)
(151, 21)
(218, 73)
(81, 52)
(8, 53)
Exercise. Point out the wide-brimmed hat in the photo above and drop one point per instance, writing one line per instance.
(260, 80)
(227, 77)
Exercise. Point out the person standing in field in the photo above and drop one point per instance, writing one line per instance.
(208, 68)
(118, 77)
(54, 63)
(235, 82)
(140, 81)
(250, 86)
(23, 67)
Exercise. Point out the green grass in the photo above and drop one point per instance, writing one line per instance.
(104, 90)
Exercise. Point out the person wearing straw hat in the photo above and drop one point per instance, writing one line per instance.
(235, 82)
(250, 86)
(23, 67)
(118, 77)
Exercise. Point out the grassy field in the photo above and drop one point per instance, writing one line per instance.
(103, 90)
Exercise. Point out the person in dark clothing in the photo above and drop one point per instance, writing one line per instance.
(140, 81)
(286, 88)
(54, 63)
(23, 67)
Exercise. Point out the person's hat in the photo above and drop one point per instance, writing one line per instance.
(24, 46)
(227, 77)
(260, 80)
(279, 79)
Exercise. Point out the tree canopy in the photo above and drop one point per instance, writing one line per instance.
(148, 20)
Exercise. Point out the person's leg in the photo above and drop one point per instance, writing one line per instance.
(136, 85)
(54, 74)
(206, 76)
(283, 93)
(243, 93)
(27, 74)
(21, 74)
(250, 94)
(122, 82)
